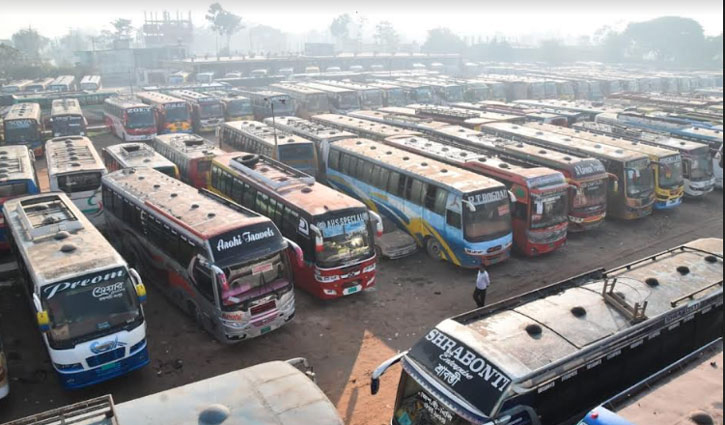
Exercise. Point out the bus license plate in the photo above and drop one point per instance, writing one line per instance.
(265, 329)
(109, 366)
(351, 290)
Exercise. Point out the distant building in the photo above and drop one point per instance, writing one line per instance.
(121, 67)
(167, 31)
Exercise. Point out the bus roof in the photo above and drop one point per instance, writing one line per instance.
(308, 129)
(56, 239)
(137, 155)
(181, 204)
(350, 85)
(155, 97)
(126, 102)
(463, 113)
(66, 106)
(458, 179)
(357, 125)
(91, 79)
(16, 163)
(461, 156)
(264, 93)
(296, 187)
(72, 154)
(21, 111)
(550, 333)
(190, 145)
(562, 142)
(295, 88)
(264, 133)
(326, 88)
(193, 96)
(63, 80)
(227, 96)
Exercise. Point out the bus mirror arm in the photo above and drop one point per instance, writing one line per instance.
(378, 223)
(41, 315)
(380, 370)
(512, 197)
(36, 303)
(318, 238)
(469, 204)
(138, 285)
(299, 257)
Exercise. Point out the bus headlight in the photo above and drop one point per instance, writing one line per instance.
(68, 367)
(370, 268)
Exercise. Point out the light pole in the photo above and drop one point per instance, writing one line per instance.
(274, 124)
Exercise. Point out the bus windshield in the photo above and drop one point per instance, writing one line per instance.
(20, 131)
(210, 110)
(89, 306)
(670, 174)
(423, 95)
(490, 220)
(176, 112)
(317, 102)
(239, 107)
(67, 125)
(346, 238)
(296, 152)
(396, 97)
(638, 177)
(79, 182)
(700, 165)
(244, 278)
(454, 94)
(12, 189)
(348, 100)
(169, 171)
(548, 210)
(139, 118)
(417, 407)
(372, 98)
(590, 194)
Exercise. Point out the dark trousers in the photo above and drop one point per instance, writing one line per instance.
(479, 296)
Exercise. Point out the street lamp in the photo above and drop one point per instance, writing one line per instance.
(274, 126)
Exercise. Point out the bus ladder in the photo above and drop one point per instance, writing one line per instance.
(99, 411)
(635, 313)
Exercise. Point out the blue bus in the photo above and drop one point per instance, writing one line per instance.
(456, 215)
(23, 125)
(17, 178)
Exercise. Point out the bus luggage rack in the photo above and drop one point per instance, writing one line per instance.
(635, 313)
(292, 177)
(96, 411)
(46, 216)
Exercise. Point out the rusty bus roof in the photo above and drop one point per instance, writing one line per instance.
(138, 155)
(463, 113)
(652, 151)
(361, 126)
(351, 85)
(55, 238)
(437, 172)
(405, 121)
(460, 156)
(326, 88)
(126, 102)
(72, 154)
(65, 106)
(308, 129)
(190, 145)
(564, 143)
(295, 88)
(294, 186)
(399, 110)
(549, 333)
(193, 96)
(23, 111)
(182, 206)
(264, 133)
(156, 97)
(16, 163)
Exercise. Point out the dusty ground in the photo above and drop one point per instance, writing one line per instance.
(344, 339)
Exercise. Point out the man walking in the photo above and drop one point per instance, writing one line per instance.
(482, 282)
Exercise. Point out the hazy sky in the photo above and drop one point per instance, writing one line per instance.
(411, 18)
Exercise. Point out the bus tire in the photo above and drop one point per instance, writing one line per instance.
(434, 249)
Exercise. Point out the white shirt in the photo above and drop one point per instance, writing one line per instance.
(482, 280)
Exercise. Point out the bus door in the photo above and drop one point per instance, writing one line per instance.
(453, 218)
(208, 280)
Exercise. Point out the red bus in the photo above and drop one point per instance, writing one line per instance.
(173, 115)
(129, 119)
(192, 154)
(539, 214)
(334, 231)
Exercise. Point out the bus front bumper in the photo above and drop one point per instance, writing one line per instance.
(698, 189)
(74, 380)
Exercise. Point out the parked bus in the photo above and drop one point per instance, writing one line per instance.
(340, 100)
(465, 117)
(18, 86)
(135, 155)
(308, 101)
(539, 214)
(39, 85)
(129, 119)
(17, 178)
(67, 119)
(416, 92)
(263, 139)
(63, 83)
(363, 128)
(86, 300)
(370, 97)
(236, 106)
(178, 78)
(205, 77)
(550, 355)
(321, 135)
(697, 165)
(207, 111)
(267, 103)
(23, 125)
(587, 176)
(274, 393)
(75, 168)
(666, 163)
(173, 115)
(675, 127)
(444, 92)
(631, 190)
(334, 231)
(91, 82)
(224, 265)
(191, 154)
(393, 95)
(457, 215)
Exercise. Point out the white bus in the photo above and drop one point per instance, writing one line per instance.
(86, 299)
(75, 168)
(90, 82)
(63, 83)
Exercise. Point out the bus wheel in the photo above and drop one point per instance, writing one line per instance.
(433, 248)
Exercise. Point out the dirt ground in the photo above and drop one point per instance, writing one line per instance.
(343, 339)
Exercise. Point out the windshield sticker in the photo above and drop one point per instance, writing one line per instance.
(589, 168)
(551, 179)
(303, 227)
(342, 225)
(674, 159)
(503, 210)
(18, 123)
(98, 347)
(51, 290)
(108, 292)
(245, 238)
(436, 410)
(487, 197)
(262, 268)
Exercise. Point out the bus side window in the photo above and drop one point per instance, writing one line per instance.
(203, 281)
(249, 195)
(406, 184)
(345, 164)
(334, 159)
(185, 252)
(416, 191)
(215, 178)
(236, 190)
(429, 201)
(393, 183)
(108, 199)
(453, 219)
(381, 181)
(290, 220)
(262, 202)
(439, 207)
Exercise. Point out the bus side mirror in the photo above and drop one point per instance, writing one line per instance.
(318, 238)
(43, 321)
(512, 197)
(378, 223)
(615, 182)
(374, 386)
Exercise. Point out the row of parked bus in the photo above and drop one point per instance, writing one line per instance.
(62, 83)
(23, 124)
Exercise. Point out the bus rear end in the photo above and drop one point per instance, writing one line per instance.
(24, 131)
(139, 123)
(238, 109)
(299, 155)
(68, 125)
(17, 178)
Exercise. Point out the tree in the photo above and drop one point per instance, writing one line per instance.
(340, 28)
(668, 39)
(224, 23)
(386, 36)
(122, 29)
(29, 42)
(442, 40)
